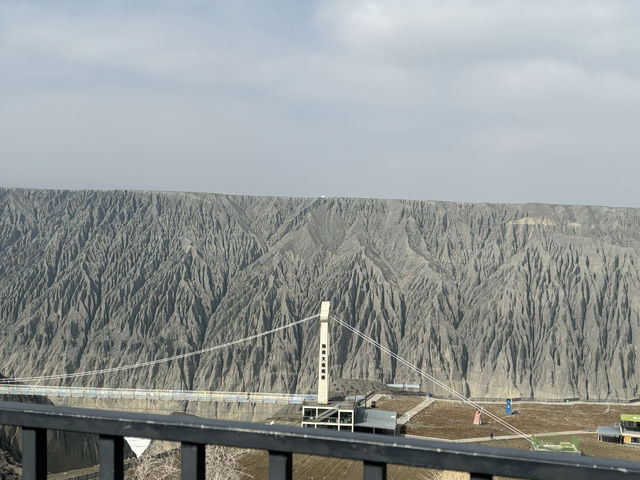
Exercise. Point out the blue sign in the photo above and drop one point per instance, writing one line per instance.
(508, 409)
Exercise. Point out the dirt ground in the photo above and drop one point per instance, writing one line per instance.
(588, 444)
(307, 467)
(398, 403)
(453, 420)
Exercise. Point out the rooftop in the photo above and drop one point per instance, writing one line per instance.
(374, 418)
(609, 431)
(344, 405)
(630, 418)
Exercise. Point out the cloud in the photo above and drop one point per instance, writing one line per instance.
(460, 31)
(434, 99)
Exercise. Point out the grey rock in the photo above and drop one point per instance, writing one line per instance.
(495, 300)
(9, 466)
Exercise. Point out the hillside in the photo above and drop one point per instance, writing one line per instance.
(522, 300)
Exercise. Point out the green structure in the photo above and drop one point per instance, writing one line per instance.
(540, 445)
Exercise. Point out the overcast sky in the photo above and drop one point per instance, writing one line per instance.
(492, 100)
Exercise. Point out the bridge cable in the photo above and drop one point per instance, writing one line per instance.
(432, 379)
(153, 362)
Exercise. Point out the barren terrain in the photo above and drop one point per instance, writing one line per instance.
(453, 420)
(532, 301)
(479, 295)
(307, 467)
(398, 403)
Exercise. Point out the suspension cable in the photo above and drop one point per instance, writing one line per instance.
(432, 379)
(153, 362)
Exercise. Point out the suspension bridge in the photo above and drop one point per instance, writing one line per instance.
(22, 385)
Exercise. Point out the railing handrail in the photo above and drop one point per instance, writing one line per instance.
(371, 449)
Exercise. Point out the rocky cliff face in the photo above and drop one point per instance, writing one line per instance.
(521, 300)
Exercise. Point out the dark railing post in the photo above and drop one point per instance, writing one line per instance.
(111, 457)
(374, 471)
(193, 461)
(34, 454)
(280, 465)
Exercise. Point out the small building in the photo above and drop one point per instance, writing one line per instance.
(350, 417)
(335, 416)
(630, 428)
(609, 434)
(628, 433)
(372, 420)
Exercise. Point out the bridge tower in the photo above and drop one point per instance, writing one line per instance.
(348, 414)
(323, 358)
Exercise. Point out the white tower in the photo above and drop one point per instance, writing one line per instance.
(323, 358)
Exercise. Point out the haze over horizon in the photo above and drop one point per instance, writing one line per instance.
(503, 102)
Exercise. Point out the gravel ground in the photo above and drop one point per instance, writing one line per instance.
(454, 420)
(399, 403)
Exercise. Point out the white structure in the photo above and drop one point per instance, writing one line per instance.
(323, 357)
(347, 415)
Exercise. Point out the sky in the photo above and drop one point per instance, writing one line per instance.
(459, 100)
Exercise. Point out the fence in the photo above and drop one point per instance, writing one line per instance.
(375, 451)
(128, 464)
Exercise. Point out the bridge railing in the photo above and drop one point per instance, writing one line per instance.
(375, 451)
(164, 395)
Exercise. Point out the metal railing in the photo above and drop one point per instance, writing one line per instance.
(162, 395)
(130, 463)
(376, 452)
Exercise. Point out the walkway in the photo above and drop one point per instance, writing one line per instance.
(373, 398)
(405, 417)
(503, 437)
(512, 437)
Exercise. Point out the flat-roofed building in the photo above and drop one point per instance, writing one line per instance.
(334, 416)
(610, 434)
(630, 428)
(372, 420)
(349, 416)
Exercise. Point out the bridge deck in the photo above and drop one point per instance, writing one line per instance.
(166, 395)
